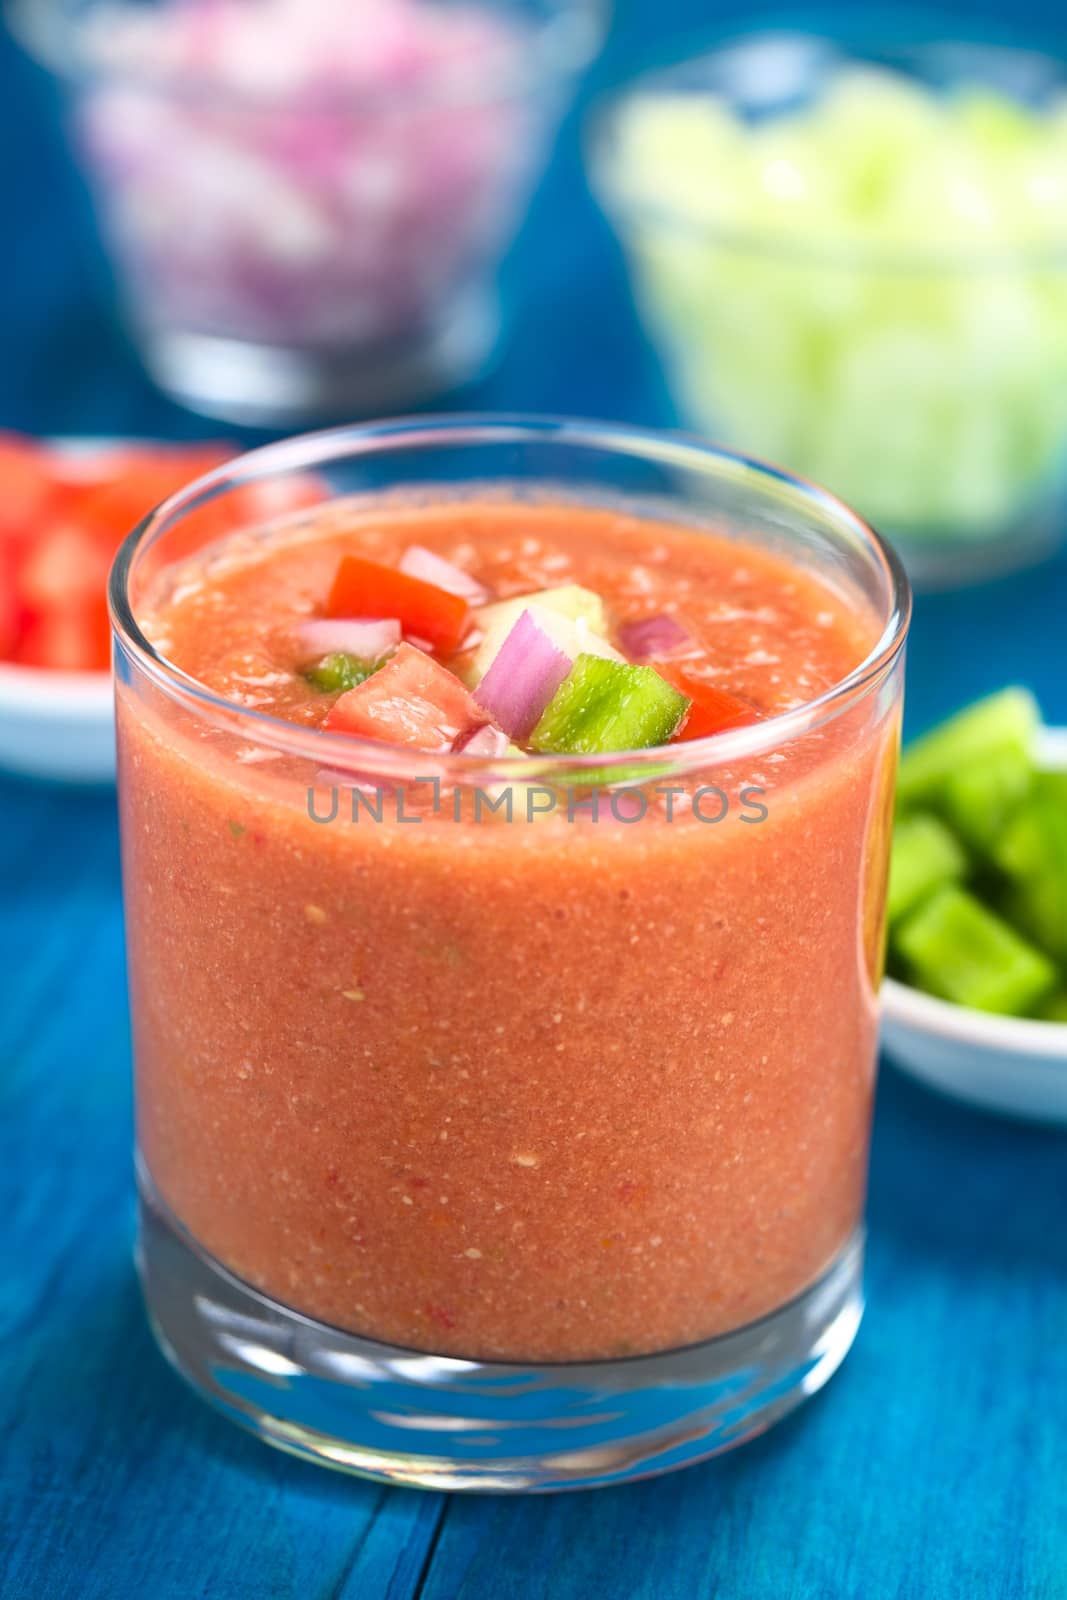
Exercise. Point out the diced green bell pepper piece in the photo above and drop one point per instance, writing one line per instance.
(604, 705)
(1002, 722)
(957, 949)
(981, 796)
(338, 672)
(1052, 786)
(925, 855)
(1054, 1009)
(1033, 853)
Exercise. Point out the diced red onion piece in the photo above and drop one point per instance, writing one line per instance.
(307, 235)
(481, 741)
(524, 675)
(364, 639)
(650, 637)
(418, 562)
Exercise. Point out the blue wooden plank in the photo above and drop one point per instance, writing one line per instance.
(397, 1549)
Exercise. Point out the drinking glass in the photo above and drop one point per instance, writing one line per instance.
(495, 1129)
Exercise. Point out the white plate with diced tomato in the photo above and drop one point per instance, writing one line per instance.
(65, 507)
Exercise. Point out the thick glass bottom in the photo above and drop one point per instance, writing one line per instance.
(257, 384)
(408, 1417)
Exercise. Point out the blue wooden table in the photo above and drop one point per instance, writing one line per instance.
(934, 1465)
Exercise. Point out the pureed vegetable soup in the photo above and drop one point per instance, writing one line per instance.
(549, 1088)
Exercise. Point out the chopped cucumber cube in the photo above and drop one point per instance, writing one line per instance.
(1002, 722)
(572, 617)
(935, 401)
(338, 672)
(957, 949)
(570, 600)
(607, 705)
(925, 856)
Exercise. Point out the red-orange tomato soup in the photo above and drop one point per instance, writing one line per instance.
(549, 1091)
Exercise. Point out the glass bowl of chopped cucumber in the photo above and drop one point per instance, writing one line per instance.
(976, 1000)
(854, 262)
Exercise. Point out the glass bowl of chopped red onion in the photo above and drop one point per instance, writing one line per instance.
(307, 201)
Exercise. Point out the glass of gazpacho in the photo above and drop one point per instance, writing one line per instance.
(505, 811)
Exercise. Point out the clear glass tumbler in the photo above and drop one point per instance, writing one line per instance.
(890, 324)
(308, 202)
(498, 1151)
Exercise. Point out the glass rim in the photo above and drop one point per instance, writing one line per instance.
(800, 248)
(567, 37)
(346, 754)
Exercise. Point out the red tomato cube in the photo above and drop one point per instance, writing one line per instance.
(412, 700)
(368, 589)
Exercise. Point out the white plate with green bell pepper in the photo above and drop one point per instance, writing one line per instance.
(976, 1000)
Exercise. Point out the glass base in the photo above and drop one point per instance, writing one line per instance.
(278, 386)
(404, 1417)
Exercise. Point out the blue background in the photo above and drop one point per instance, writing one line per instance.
(936, 1462)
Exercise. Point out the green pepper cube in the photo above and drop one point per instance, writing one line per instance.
(981, 797)
(1002, 722)
(955, 948)
(1052, 786)
(338, 672)
(925, 856)
(1054, 1009)
(1032, 852)
(605, 705)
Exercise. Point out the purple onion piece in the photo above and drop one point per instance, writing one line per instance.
(418, 562)
(525, 674)
(365, 639)
(650, 637)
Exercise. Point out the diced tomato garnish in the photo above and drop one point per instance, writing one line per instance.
(412, 700)
(369, 589)
(712, 710)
